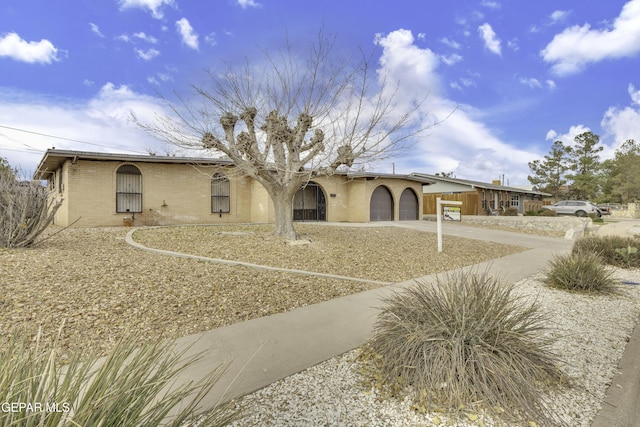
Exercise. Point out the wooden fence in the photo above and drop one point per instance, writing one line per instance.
(469, 202)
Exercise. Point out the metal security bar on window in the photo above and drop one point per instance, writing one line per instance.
(128, 189)
(220, 194)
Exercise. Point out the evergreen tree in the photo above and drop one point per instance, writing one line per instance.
(584, 165)
(623, 173)
(549, 174)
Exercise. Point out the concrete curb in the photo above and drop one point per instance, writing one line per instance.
(621, 405)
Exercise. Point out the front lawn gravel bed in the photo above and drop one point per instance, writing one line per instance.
(99, 287)
(389, 254)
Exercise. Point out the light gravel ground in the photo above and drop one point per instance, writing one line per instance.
(100, 287)
(592, 330)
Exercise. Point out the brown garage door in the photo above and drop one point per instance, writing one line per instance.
(408, 205)
(381, 207)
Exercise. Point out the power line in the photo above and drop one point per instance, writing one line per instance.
(68, 139)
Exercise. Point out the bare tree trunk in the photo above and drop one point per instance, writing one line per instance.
(283, 206)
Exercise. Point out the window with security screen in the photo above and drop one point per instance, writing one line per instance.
(128, 189)
(220, 194)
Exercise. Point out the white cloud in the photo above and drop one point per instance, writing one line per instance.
(490, 39)
(154, 6)
(623, 123)
(247, 3)
(462, 143)
(573, 49)
(14, 47)
(550, 84)
(635, 94)
(148, 54)
(145, 37)
(189, 37)
(559, 16)
(404, 62)
(451, 43)
(533, 83)
(490, 4)
(422, 36)
(211, 39)
(451, 59)
(103, 123)
(567, 138)
(95, 29)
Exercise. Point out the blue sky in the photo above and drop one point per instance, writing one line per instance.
(519, 75)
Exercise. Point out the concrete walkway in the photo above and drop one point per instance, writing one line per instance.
(261, 351)
(621, 406)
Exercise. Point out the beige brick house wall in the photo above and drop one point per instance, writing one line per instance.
(175, 193)
(171, 193)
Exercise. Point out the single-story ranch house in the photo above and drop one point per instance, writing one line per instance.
(479, 198)
(105, 189)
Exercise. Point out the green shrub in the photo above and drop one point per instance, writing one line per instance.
(595, 218)
(532, 213)
(548, 212)
(127, 388)
(613, 250)
(583, 272)
(466, 339)
(511, 212)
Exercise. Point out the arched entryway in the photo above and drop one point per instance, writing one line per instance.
(310, 204)
(409, 205)
(381, 205)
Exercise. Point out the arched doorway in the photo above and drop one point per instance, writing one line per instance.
(409, 205)
(381, 205)
(310, 204)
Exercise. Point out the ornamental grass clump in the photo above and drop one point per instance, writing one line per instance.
(466, 340)
(129, 387)
(581, 272)
(618, 251)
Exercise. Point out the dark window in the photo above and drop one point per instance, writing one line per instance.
(220, 194)
(128, 189)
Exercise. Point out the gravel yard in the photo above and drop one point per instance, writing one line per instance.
(593, 331)
(100, 287)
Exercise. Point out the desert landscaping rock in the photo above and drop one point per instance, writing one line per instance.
(593, 331)
(99, 287)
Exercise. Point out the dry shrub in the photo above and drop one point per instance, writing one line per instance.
(466, 340)
(582, 272)
(25, 211)
(617, 251)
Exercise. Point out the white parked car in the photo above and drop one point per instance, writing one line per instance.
(574, 207)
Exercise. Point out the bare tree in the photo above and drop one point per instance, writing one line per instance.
(289, 119)
(25, 210)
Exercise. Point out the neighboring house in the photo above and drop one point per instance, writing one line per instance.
(479, 198)
(103, 189)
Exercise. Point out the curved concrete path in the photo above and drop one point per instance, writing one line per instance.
(261, 351)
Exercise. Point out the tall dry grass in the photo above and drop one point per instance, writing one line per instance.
(465, 340)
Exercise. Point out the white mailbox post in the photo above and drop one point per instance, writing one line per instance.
(439, 203)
